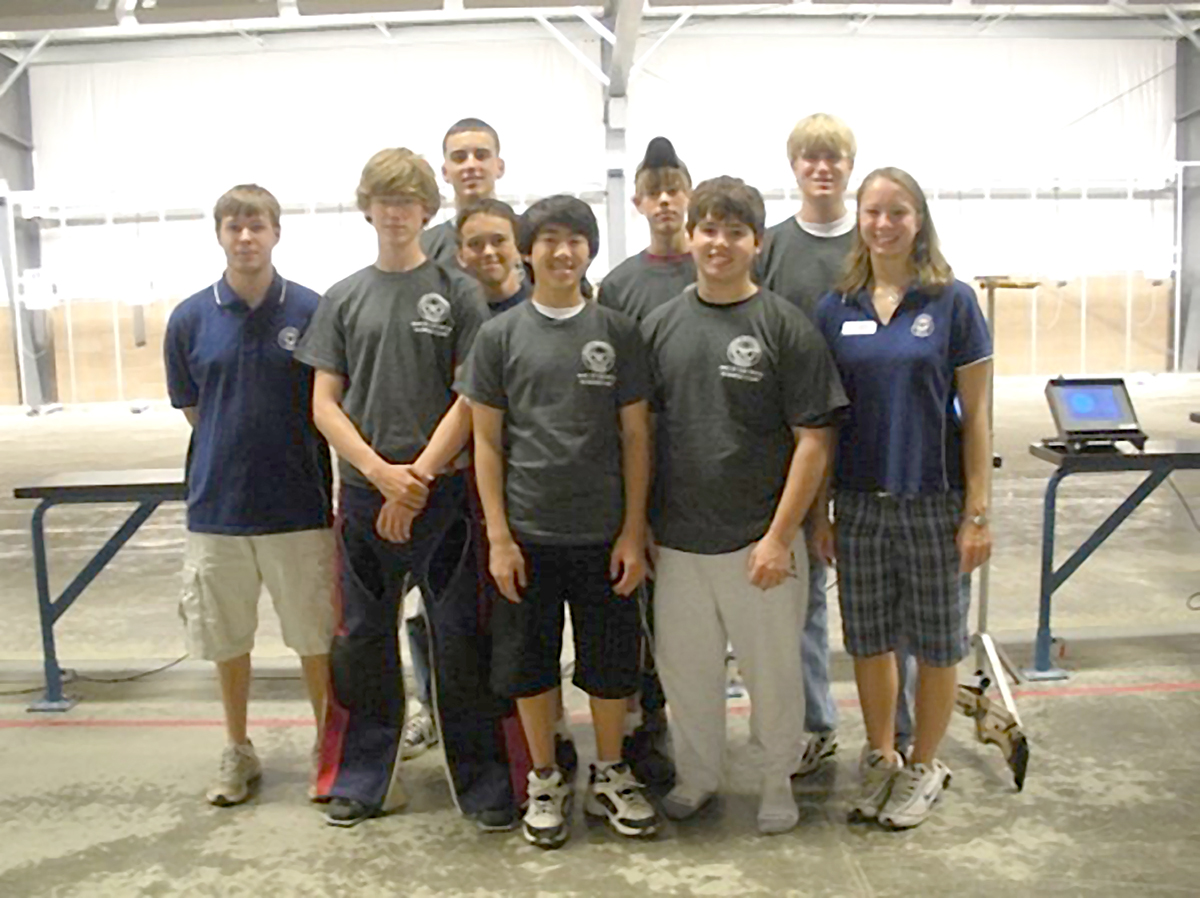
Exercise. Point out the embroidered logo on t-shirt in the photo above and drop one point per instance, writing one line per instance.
(599, 358)
(745, 352)
(288, 338)
(434, 310)
(922, 326)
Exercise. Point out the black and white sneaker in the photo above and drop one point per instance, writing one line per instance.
(347, 812)
(615, 794)
(820, 748)
(496, 820)
(547, 822)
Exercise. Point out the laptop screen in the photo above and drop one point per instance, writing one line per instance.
(1093, 405)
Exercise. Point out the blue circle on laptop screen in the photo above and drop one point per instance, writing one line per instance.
(1082, 404)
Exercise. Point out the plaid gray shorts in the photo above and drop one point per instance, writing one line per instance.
(898, 575)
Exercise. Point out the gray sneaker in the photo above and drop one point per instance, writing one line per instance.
(419, 735)
(916, 790)
(877, 774)
(239, 775)
(819, 749)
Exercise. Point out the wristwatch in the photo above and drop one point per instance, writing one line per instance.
(979, 520)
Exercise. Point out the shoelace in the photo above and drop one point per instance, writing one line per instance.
(906, 786)
(229, 764)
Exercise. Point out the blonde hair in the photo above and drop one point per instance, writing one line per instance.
(397, 171)
(246, 199)
(933, 272)
(821, 132)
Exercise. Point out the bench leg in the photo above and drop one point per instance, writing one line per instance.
(53, 700)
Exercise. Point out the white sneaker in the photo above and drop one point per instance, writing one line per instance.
(240, 773)
(547, 822)
(916, 790)
(615, 794)
(419, 735)
(877, 774)
(819, 749)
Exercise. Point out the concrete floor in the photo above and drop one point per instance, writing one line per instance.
(107, 799)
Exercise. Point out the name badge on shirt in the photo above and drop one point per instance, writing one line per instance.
(858, 328)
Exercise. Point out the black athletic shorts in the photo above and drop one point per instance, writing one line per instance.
(527, 636)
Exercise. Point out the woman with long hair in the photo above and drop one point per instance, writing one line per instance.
(910, 479)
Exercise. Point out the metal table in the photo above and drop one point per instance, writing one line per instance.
(1159, 459)
(148, 488)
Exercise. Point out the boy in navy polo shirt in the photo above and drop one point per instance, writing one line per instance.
(259, 477)
(386, 343)
(558, 391)
(744, 393)
(912, 481)
(471, 166)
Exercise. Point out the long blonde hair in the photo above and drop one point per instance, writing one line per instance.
(932, 270)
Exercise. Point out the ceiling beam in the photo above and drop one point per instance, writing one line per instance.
(23, 64)
(628, 23)
(1185, 30)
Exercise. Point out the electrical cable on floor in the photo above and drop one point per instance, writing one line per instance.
(1186, 506)
(22, 691)
(133, 677)
(1193, 601)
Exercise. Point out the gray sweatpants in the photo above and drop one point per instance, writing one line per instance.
(703, 602)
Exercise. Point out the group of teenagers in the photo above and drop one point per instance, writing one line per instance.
(678, 455)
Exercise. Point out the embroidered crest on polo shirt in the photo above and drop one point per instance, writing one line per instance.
(599, 358)
(744, 352)
(434, 310)
(922, 326)
(288, 338)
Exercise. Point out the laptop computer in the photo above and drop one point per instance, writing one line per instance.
(1093, 413)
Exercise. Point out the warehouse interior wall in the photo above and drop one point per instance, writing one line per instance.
(1051, 159)
(1188, 151)
(24, 334)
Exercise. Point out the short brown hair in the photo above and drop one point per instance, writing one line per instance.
(932, 270)
(471, 124)
(649, 181)
(821, 133)
(247, 199)
(486, 206)
(727, 199)
(398, 171)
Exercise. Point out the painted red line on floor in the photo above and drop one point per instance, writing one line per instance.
(1134, 689)
(737, 710)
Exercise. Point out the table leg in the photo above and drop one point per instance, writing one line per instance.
(1042, 668)
(53, 700)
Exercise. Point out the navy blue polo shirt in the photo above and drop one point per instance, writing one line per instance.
(902, 434)
(256, 464)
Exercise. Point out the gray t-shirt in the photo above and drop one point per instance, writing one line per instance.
(397, 338)
(440, 243)
(730, 383)
(562, 384)
(642, 283)
(802, 267)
